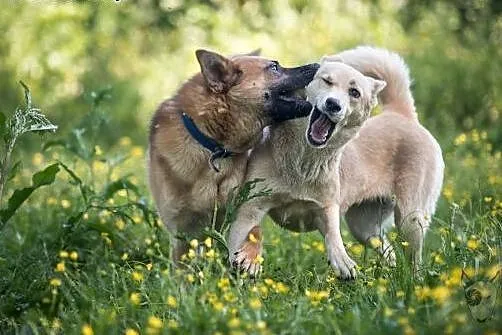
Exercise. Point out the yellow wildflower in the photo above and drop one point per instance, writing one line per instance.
(281, 288)
(387, 312)
(210, 254)
(460, 139)
(255, 303)
(65, 203)
(130, 331)
(357, 249)
(229, 297)
(135, 298)
(137, 276)
(440, 294)
(87, 330)
(137, 151)
(171, 302)
(191, 253)
(375, 242)
(438, 259)
(261, 325)
(51, 201)
(223, 284)
(55, 282)
(405, 243)
(120, 224)
(60, 267)
(74, 256)
(315, 297)
(63, 254)
(218, 306)
(190, 278)
(37, 159)
(258, 260)
(56, 324)
(125, 256)
(472, 244)
(194, 243)
(172, 324)
(234, 323)
(125, 141)
(208, 242)
(154, 322)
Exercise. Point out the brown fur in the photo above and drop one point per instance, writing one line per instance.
(228, 102)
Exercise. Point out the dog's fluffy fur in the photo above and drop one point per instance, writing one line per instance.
(391, 164)
(231, 101)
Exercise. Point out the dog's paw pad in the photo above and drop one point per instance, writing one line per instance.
(248, 258)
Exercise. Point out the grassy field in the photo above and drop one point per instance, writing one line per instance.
(81, 248)
(88, 255)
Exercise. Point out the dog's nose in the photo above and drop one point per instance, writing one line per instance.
(333, 105)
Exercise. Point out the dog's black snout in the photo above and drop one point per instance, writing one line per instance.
(333, 105)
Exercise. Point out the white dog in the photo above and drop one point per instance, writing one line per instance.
(394, 165)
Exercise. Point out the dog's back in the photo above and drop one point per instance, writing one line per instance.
(393, 156)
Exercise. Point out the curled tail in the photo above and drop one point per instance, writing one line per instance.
(384, 65)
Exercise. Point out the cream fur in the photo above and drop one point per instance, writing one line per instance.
(391, 164)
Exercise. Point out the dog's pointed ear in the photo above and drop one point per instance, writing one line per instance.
(219, 72)
(376, 87)
(255, 52)
(331, 58)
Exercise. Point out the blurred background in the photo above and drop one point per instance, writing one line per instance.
(144, 49)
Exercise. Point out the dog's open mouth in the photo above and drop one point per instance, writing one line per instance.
(320, 128)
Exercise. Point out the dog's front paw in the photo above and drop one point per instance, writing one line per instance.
(248, 257)
(343, 265)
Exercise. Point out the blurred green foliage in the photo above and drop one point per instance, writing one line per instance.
(144, 49)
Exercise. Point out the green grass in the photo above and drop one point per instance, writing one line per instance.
(117, 274)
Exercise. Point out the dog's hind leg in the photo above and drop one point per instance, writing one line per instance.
(366, 221)
(412, 221)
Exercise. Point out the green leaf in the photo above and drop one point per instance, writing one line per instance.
(45, 177)
(14, 170)
(120, 184)
(27, 94)
(39, 179)
(53, 143)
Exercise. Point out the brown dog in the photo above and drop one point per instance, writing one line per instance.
(218, 114)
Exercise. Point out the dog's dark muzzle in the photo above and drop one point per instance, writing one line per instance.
(284, 102)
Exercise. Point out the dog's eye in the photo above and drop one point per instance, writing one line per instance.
(274, 67)
(354, 93)
(327, 81)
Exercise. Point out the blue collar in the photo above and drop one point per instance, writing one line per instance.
(217, 150)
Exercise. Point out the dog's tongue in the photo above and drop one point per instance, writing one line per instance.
(320, 128)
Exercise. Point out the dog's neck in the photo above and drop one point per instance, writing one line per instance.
(235, 126)
(311, 164)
